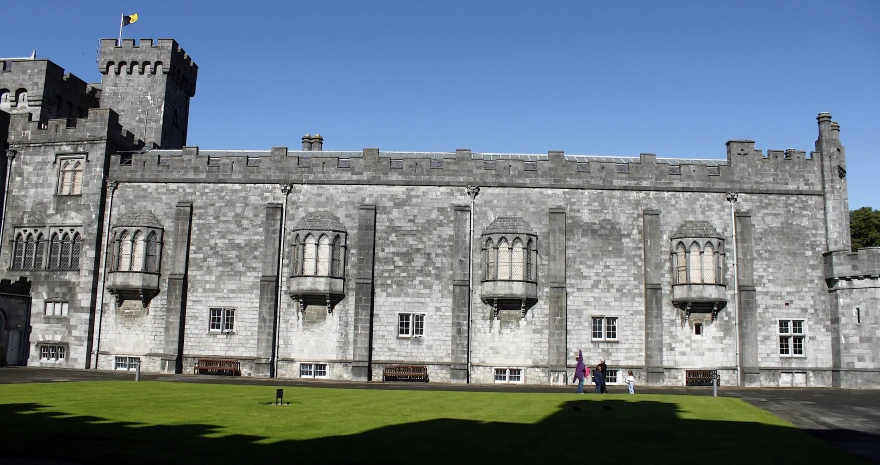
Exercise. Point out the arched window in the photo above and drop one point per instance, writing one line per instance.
(39, 249)
(54, 252)
(680, 264)
(29, 249)
(151, 253)
(517, 260)
(64, 262)
(70, 178)
(123, 262)
(297, 257)
(75, 249)
(18, 252)
(709, 264)
(323, 256)
(336, 269)
(491, 255)
(21, 98)
(137, 252)
(4, 99)
(530, 261)
(694, 264)
(309, 256)
(503, 260)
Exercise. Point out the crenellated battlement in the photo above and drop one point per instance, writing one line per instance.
(99, 124)
(164, 57)
(795, 174)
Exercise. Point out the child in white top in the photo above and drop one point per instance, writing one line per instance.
(631, 381)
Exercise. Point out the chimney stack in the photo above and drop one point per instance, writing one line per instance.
(307, 143)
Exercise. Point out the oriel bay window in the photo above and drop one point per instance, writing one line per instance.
(697, 259)
(317, 260)
(135, 260)
(509, 254)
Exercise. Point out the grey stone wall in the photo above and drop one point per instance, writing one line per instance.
(149, 85)
(51, 93)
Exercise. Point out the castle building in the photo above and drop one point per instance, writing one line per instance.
(122, 245)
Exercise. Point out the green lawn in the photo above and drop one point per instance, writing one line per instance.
(163, 422)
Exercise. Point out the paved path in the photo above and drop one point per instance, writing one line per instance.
(848, 418)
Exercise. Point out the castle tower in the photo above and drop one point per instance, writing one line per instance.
(833, 156)
(150, 87)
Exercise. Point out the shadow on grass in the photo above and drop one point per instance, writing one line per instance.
(579, 432)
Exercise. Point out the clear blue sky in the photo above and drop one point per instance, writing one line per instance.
(673, 78)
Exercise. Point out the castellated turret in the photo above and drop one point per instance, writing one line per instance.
(149, 85)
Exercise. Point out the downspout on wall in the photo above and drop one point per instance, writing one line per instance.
(111, 187)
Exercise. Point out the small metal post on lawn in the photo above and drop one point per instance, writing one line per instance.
(137, 372)
(715, 384)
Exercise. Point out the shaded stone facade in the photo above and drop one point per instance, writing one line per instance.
(484, 267)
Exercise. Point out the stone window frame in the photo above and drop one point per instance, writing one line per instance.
(788, 339)
(607, 324)
(56, 308)
(311, 370)
(129, 363)
(505, 375)
(44, 253)
(72, 165)
(136, 249)
(60, 351)
(685, 247)
(225, 320)
(412, 325)
(493, 254)
(308, 256)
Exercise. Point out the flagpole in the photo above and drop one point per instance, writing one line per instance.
(121, 19)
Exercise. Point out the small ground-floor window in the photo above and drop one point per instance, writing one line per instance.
(508, 375)
(127, 363)
(52, 353)
(312, 370)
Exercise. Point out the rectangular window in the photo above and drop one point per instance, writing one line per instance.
(222, 320)
(698, 329)
(623, 167)
(252, 161)
(396, 164)
(436, 163)
(611, 376)
(56, 308)
(343, 163)
(583, 167)
(604, 328)
(792, 335)
(530, 166)
(488, 164)
(410, 324)
(508, 375)
(52, 353)
(312, 370)
(126, 363)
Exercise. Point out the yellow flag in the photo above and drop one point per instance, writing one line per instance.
(126, 20)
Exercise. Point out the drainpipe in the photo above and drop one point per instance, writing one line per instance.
(285, 189)
(10, 155)
(732, 197)
(111, 187)
(472, 191)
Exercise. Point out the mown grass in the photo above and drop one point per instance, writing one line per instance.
(163, 422)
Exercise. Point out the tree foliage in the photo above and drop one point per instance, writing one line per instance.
(865, 227)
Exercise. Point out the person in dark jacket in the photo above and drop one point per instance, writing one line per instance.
(604, 369)
(600, 379)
